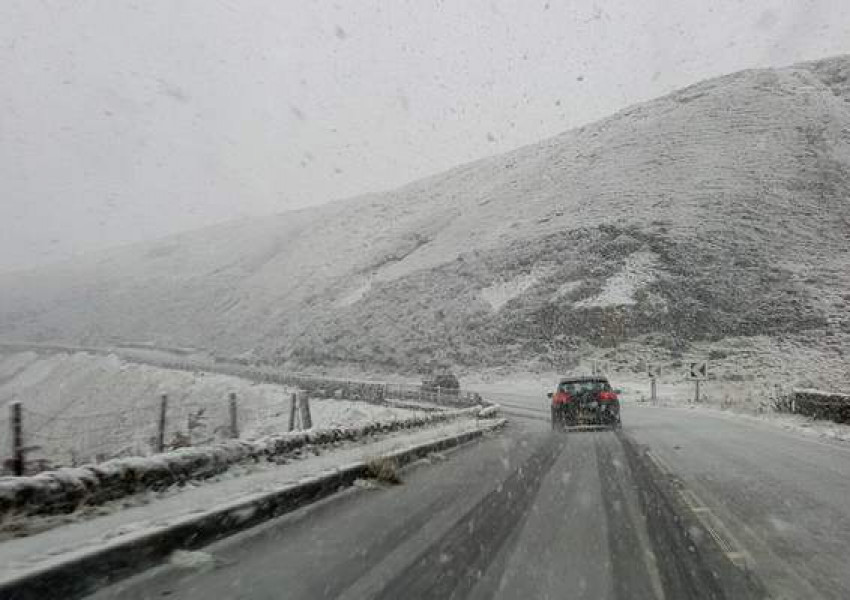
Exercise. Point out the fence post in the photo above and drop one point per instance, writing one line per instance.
(438, 394)
(234, 423)
(160, 434)
(304, 405)
(17, 424)
(293, 404)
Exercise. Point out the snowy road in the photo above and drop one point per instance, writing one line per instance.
(527, 514)
(785, 496)
(532, 514)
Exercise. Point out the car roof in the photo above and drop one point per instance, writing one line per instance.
(584, 379)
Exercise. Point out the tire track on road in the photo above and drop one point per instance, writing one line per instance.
(451, 567)
(690, 561)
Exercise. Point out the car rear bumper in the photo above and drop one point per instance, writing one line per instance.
(590, 413)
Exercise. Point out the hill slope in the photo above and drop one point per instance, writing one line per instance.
(719, 210)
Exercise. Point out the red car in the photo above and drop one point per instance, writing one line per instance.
(585, 401)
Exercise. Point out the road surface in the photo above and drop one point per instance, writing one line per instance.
(715, 509)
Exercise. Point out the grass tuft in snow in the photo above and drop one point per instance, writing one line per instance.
(186, 559)
(383, 470)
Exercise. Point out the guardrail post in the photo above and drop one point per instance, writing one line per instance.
(17, 423)
(160, 434)
(293, 405)
(234, 422)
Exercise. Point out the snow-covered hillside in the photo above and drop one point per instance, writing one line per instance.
(717, 211)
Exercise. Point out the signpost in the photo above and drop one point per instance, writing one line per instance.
(698, 371)
(654, 371)
(599, 367)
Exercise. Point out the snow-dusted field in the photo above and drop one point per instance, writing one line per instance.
(79, 407)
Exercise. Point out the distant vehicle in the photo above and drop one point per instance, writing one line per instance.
(585, 401)
(446, 381)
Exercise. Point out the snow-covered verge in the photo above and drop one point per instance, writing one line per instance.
(155, 525)
(753, 401)
(792, 423)
(66, 489)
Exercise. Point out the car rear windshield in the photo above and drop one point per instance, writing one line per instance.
(577, 387)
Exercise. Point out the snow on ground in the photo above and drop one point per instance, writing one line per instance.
(499, 294)
(79, 406)
(329, 413)
(566, 289)
(11, 365)
(355, 295)
(797, 424)
(87, 529)
(637, 273)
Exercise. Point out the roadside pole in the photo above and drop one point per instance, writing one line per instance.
(17, 439)
(304, 406)
(653, 370)
(160, 434)
(698, 371)
(234, 422)
(293, 406)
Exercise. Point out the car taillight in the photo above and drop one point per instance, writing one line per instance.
(561, 398)
(607, 396)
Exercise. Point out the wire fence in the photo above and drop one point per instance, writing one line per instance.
(69, 438)
(75, 435)
(72, 439)
(76, 438)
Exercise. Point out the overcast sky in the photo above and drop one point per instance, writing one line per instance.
(125, 120)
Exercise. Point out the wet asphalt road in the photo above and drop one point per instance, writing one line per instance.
(527, 513)
(783, 498)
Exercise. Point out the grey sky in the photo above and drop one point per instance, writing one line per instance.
(125, 120)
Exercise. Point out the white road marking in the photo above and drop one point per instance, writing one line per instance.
(718, 531)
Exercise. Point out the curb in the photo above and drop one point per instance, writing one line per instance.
(80, 574)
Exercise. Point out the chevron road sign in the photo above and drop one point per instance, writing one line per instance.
(698, 370)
